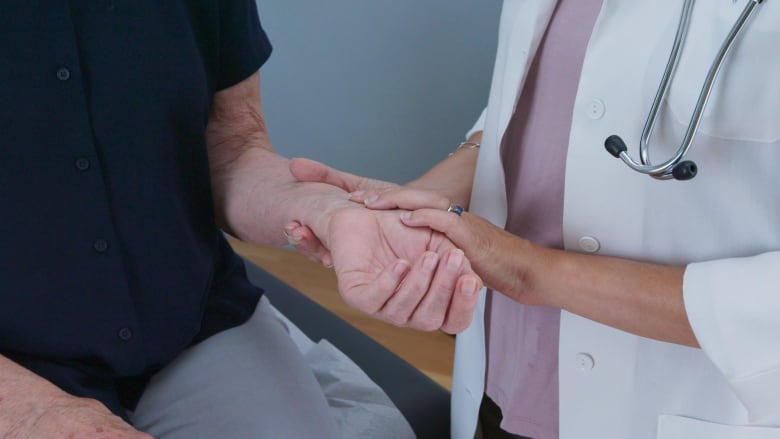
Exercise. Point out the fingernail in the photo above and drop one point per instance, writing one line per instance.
(429, 263)
(406, 216)
(455, 260)
(470, 286)
(356, 194)
(400, 267)
(370, 199)
(292, 240)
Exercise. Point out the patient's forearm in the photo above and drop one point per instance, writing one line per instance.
(18, 386)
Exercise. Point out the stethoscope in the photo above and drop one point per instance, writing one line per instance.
(676, 167)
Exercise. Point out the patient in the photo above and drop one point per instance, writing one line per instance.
(132, 134)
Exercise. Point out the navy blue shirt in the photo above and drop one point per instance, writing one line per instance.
(110, 260)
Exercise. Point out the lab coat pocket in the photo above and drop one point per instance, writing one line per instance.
(745, 101)
(679, 427)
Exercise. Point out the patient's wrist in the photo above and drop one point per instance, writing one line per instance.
(317, 210)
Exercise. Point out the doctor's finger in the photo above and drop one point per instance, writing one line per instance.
(455, 227)
(407, 199)
(361, 195)
(312, 171)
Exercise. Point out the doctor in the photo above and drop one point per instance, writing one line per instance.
(620, 306)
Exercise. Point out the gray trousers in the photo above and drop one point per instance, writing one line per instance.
(253, 381)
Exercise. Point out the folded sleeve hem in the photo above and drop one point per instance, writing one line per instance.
(479, 125)
(732, 306)
(756, 393)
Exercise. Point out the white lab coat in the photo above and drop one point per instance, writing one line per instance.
(725, 223)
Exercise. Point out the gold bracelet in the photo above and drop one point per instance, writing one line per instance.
(465, 145)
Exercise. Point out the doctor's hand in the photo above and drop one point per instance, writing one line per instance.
(500, 258)
(497, 256)
(494, 253)
(412, 277)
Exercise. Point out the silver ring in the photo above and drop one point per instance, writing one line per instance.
(454, 208)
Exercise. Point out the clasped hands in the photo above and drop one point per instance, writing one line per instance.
(408, 276)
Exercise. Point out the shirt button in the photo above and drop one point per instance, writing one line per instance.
(100, 245)
(585, 362)
(589, 244)
(125, 334)
(82, 164)
(596, 109)
(63, 74)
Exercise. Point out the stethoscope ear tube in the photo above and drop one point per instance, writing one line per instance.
(684, 170)
(615, 145)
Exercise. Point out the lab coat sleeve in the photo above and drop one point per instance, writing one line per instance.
(734, 308)
(478, 126)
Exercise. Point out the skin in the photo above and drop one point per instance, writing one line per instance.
(451, 178)
(382, 267)
(641, 298)
(409, 277)
(33, 408)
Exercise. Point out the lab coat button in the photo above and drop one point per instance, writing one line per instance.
(596, 109)
(589, 244)
(585, 362)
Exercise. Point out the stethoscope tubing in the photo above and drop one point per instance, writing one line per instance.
(664, 170)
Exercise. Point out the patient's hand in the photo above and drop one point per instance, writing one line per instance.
(412, 277)
(306, 170)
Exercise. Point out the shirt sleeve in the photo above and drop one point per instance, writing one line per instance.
(243, 44)
(479, 125)
(734, 308)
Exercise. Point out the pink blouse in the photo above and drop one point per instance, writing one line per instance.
(522, 369)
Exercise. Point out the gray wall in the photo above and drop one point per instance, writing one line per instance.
(383, 88)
